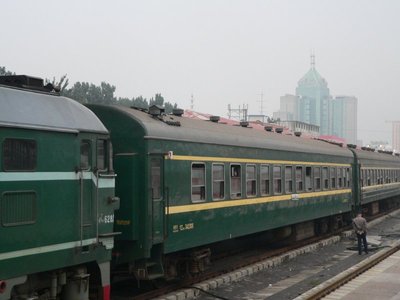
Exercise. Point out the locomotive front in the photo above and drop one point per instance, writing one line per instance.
(56, 195)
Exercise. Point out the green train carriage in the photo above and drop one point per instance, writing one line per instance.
(56, 195)
(379, 180)
(185, 184)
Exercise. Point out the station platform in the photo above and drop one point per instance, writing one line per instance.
(381, 282)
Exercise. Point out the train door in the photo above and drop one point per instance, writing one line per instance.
(85, 189)
(156, 195)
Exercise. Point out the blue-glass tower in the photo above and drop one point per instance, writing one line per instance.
(314, 98)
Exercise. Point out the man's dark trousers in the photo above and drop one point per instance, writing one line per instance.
(362, 237)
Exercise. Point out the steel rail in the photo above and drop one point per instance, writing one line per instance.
(334, 283)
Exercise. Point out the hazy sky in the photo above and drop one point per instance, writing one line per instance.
(224, 52)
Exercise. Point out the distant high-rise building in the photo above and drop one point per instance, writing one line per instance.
(313, 94)
(314, 105)
(396, 135)
(344, 118)
(288, 110)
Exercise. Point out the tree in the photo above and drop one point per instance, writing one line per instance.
(4, 71)
(86, 92)
(62, 83)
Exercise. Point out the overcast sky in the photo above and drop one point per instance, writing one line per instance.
(222, 52)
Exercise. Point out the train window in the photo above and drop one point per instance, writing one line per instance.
(288, 179)
(325, 179)
(277, 179)
(251, 180)
(19, 155)
(85, 155)
(101, 154)
(365, 177)
(308, 179)
(339, 177)
(155, 177)
(317, 178)
(236, 181)
(372, 176)
(264, 178)
(362, 177)
(218, 177)
(333, 177)
(348, 176)
(299, 179)
(198, 182)
(368, 177)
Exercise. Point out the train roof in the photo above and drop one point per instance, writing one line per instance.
(370, 156)
(38, 110)
(172, 127)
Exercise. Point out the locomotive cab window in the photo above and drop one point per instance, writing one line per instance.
(251, 181)
(265, 182)
(101, 154)
(85, 155)
(218, 177)
(198, 182)
(236, 181)
(19, 155)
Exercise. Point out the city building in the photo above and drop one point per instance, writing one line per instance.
(314, 105)
(313, 94)
(396, 135)
(344, 118)
(288, 110)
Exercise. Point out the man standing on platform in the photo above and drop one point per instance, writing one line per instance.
(360, 228)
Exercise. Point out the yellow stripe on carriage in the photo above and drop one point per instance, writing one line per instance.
(252, 201)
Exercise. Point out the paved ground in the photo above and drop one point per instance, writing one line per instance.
(296, 276)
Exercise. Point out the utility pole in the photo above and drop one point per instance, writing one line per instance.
(261, 103)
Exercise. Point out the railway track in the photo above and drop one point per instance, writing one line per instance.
(231, 264)
(257, 259)
(334, 283)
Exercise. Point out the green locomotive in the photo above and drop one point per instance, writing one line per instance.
(186, 184)
(56, 195)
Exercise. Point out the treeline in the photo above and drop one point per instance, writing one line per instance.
(85, 92)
